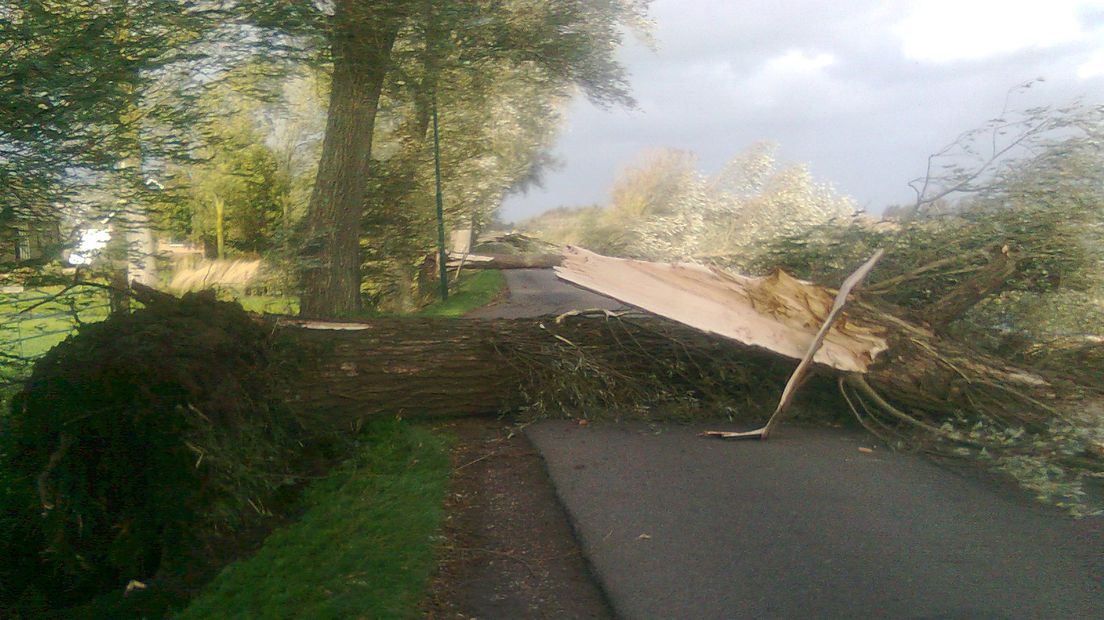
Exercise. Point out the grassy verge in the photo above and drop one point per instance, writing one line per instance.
(475, 290)
(364, 546)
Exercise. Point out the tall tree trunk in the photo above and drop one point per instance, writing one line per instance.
(361, 41)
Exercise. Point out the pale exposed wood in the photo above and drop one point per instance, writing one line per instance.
(799, 373)
(777, 312)
(507, 261)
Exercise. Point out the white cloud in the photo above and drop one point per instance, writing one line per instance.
(942, 31)
(796, 63)
(795, 74)
(1093, 67)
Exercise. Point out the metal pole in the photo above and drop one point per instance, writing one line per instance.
(440, 204)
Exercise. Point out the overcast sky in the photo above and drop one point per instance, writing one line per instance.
(860, 90)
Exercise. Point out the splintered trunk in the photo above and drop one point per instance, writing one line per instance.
(361, 42)
(728, 343)
(593, 362)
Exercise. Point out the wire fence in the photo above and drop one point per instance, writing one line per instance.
(33, 320)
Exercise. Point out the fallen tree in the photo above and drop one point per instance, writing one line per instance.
(896, 370)
(196, 378)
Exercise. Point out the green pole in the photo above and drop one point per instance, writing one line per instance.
(440, 204)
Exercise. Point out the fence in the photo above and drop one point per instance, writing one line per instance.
(34, 320)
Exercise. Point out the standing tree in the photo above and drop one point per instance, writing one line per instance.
(93, 105)
(570, 42)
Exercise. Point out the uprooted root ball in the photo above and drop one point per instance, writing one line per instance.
(140, 441)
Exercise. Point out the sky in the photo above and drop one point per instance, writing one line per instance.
(861, 91)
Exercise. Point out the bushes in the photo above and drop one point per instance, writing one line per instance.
(139, 443)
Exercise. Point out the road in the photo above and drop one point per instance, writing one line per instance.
(807, 525)
(815, 523)
(536, 292)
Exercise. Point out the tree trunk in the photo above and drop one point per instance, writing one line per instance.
(596, 362)
(968, 294)
(361, 42)
(580, 366)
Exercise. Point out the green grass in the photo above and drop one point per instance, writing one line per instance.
(364, 548)
(26, 332)
(473, 291)
(270, 304)
(30, 332)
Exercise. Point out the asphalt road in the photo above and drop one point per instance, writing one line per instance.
(536, 292)
(808, 526)
(805, 525)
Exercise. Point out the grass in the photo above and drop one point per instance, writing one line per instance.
(473, 291)
(270, 304)
(28, 332)
(364, 547)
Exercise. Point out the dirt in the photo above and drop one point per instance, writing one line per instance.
(508, 548)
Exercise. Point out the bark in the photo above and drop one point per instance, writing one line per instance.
(408, 367)
(968, 294)
(597, 362)
(361, 43)
(458, 367)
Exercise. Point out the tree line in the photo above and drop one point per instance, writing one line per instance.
(200, 97)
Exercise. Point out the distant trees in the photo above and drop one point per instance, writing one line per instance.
(750, 200)
(92, 84)
(663, 208)
(244, 185)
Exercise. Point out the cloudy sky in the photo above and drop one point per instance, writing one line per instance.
(860, 90)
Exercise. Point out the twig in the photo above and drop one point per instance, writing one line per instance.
(470, 463)
(857, 381)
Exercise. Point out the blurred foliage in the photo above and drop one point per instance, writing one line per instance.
(226, 103)
(499, 107)
(78, 80)
(235, 167)
(590, 227)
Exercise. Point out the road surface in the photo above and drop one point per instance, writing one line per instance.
(536, 292)
(815, 523)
